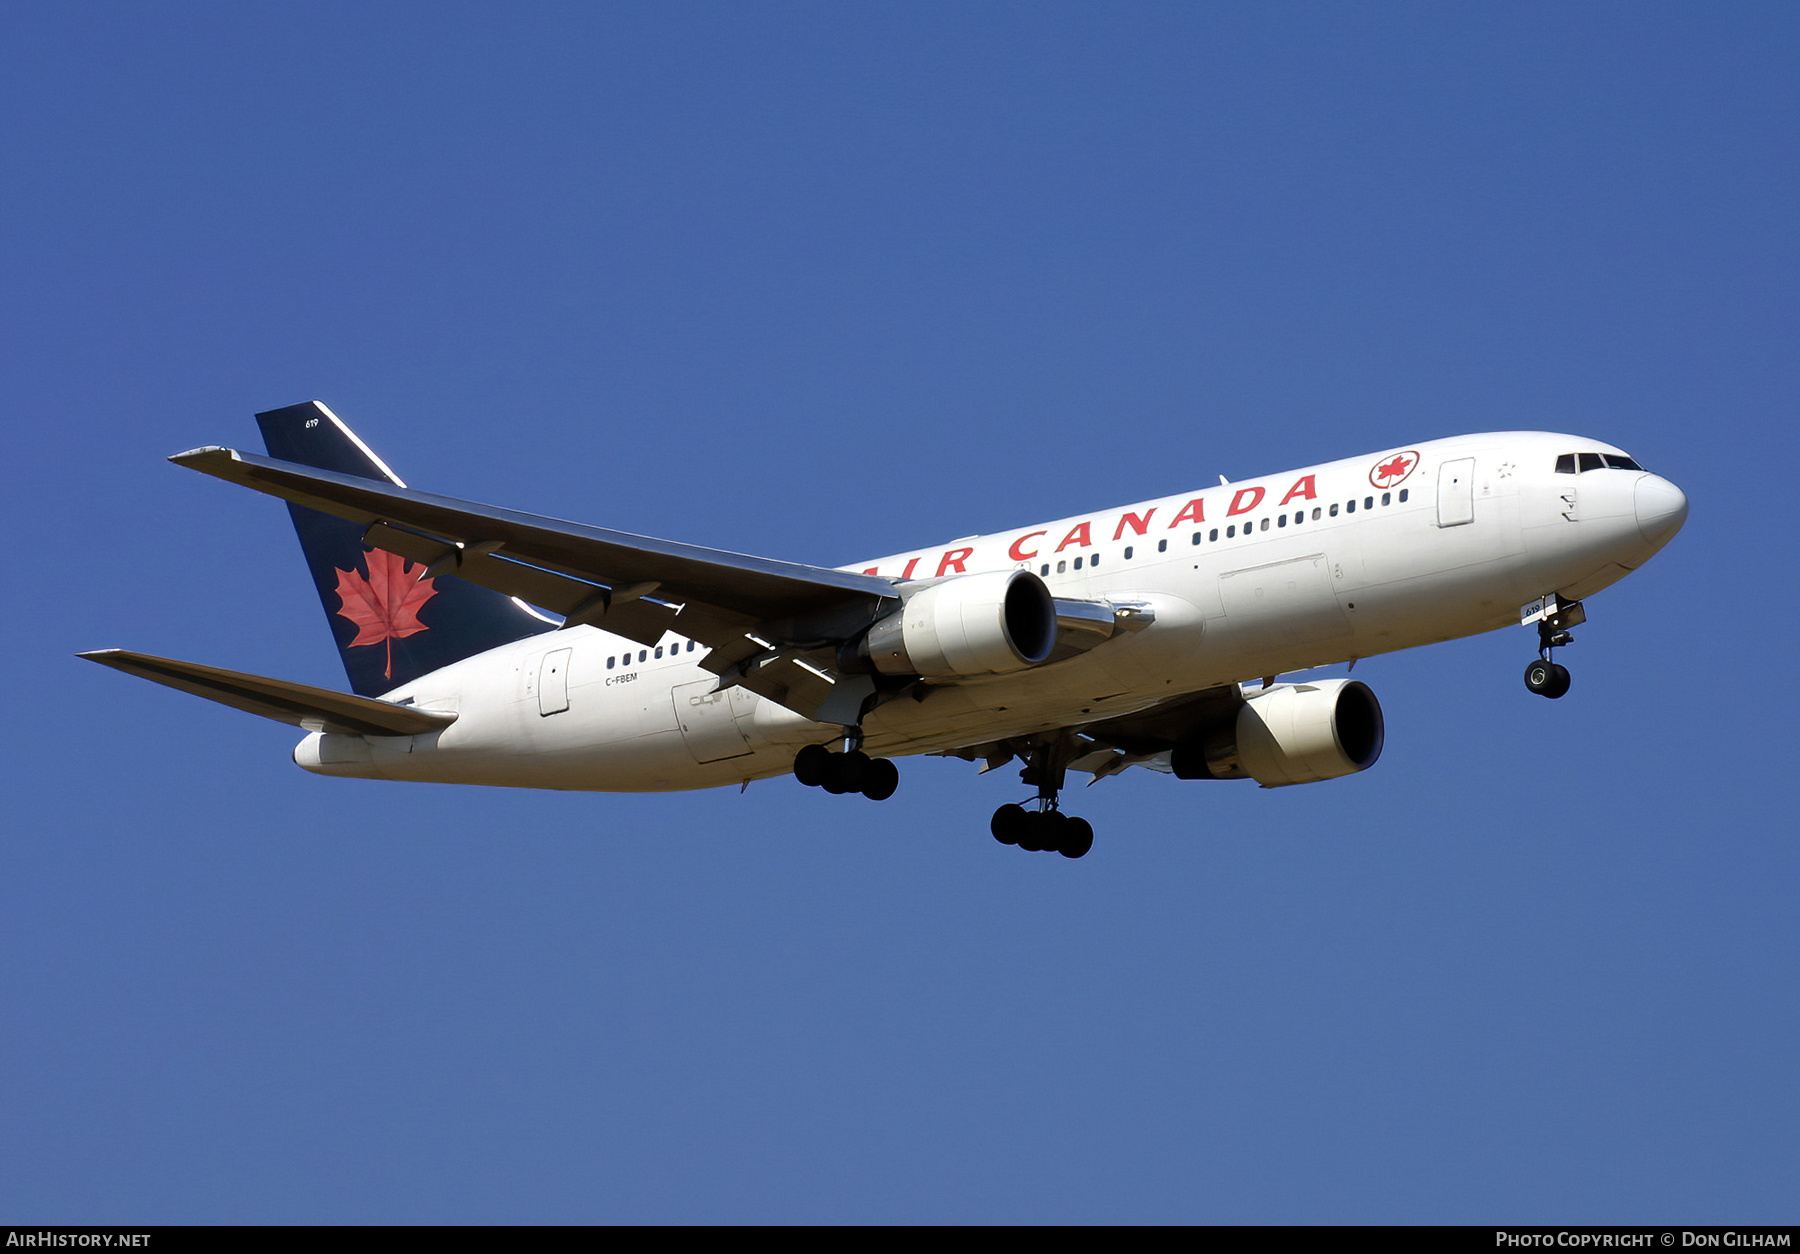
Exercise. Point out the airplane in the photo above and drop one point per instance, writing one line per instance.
(488, 646)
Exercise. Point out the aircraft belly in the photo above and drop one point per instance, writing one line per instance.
(951, 721)
(1438, 605)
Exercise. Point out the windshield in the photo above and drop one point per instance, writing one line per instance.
(1581, 463)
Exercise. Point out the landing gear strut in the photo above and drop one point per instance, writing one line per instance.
(1047, 827)
(850, 771)
(1554, 618)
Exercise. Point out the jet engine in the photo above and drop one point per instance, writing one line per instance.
(984, 624)
(1290, 734)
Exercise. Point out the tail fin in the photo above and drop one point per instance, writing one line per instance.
(391, 624)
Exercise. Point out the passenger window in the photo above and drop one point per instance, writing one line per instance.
(1094, 560)
(1368, 502)
(1061, 567)
(659, 650)
(1315, 513)
(1162, 546)
(1565, 465)
(1265, 524)
(643, 655)
(1128, 552)
(1387, 498)
(609, 663)
(1078, 563)
(1213, 535)
(1282, 520)
(1350, 508)
(1231, 532)
(1591, 461)
(1403, 492)
(1044, 569)
(1196, 537)
(1334, 511)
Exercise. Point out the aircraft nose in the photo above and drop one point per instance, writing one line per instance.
(1661, 509)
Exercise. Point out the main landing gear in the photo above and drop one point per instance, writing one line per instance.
(1554, 618)
(850, 771)
(1046, 828)
(1038, 831)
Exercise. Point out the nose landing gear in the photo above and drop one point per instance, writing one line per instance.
(1554, 618)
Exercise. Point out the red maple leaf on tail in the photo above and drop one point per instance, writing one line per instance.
(385, 606)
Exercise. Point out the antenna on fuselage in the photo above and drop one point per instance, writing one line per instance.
(1223, 481)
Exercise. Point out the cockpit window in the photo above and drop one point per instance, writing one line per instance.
(1580, 463)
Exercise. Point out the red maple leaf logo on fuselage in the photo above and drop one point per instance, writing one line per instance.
(1387, 474)
(384, 606)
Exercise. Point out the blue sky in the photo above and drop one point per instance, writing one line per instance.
(821, 283)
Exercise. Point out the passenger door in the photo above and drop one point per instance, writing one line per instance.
(553, 682)
(1456, 492)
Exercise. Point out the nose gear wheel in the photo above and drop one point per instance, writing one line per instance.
(1547, 678)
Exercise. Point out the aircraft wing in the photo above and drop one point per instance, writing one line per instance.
(1142, 739)
(759, 618)
(1165, 725)
(301, 705)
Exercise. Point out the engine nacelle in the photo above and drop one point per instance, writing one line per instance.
(1290, 734)
(986, 624)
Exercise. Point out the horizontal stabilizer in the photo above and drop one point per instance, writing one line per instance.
(315, 709)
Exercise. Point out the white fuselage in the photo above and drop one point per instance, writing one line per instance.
(1250, 579)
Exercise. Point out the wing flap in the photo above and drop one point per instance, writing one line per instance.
(638, 620)
(299, 705)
